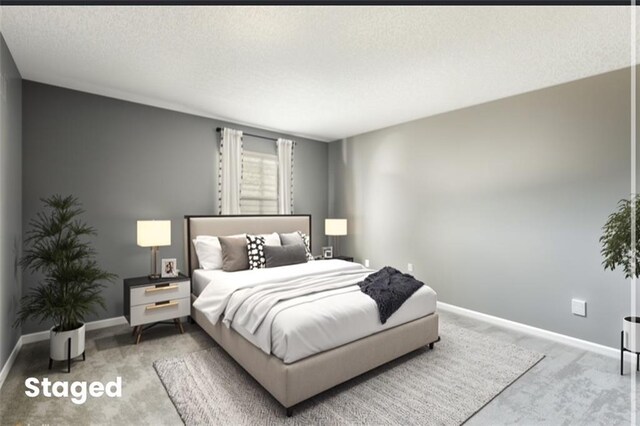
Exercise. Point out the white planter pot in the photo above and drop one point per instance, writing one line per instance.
(631, 329)
(59, 345)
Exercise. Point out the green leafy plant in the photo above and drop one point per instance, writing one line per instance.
(616, 239)
(57, 250)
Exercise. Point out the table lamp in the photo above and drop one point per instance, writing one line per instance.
(335, 228)
(154, 233)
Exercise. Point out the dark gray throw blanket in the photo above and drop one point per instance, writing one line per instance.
(389, 288)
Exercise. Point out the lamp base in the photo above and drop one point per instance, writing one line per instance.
(154, 275)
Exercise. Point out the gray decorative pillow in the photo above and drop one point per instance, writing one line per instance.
(291, 239)
(255, 251)
(297, 238)
(285, 255)
(234, 253)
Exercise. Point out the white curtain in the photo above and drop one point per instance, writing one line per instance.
(285, 176)
(230, 171)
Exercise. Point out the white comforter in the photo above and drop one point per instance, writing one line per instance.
(298, 310)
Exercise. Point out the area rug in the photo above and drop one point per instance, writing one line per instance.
(443, 386)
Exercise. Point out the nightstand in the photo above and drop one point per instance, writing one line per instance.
(148, 302)
(347, 258)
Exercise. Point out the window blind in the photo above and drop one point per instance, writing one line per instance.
(259, 191)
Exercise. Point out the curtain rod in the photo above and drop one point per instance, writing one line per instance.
(219, 129)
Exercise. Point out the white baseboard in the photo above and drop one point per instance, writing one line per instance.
(534, 331)
(44, 335)
(9, 363)
(109, 322)
(92, 325)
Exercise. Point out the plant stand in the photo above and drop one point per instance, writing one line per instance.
(622, 351)
(68, 357)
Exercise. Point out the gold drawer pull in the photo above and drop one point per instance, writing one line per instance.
(166, 287)
(161, 305)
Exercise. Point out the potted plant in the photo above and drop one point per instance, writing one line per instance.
(70, 284)
(617, 252)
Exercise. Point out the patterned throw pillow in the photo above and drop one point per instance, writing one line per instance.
(255, 250)
(305, 240)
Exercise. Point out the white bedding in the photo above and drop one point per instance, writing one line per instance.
(300, 327)
(201, 278)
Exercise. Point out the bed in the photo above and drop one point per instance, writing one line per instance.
(306, 346)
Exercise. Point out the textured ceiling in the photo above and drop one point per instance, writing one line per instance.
(319, 72)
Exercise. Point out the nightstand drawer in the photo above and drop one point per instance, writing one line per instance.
(160, 311)
(144, 295)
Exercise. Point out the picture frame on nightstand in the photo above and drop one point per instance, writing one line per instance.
(327, 252)
(169, 268)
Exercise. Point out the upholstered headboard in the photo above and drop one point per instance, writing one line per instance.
(230, 225)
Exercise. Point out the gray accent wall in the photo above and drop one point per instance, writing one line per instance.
(127, 161)
(499, 206)
(10, 199)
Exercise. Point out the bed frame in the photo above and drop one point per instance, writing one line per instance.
(293, 383)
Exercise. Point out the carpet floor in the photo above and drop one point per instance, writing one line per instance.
(444, 386)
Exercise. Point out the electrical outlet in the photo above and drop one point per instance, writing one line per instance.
(579, 307)
(410, 267)
(366, 263)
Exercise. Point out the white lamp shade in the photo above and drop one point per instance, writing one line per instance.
(154, 233)
(335, 226)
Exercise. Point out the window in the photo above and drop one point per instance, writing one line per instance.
(259, 191)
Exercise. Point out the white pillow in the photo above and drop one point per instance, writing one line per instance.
(209, 251)
(271, 239)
